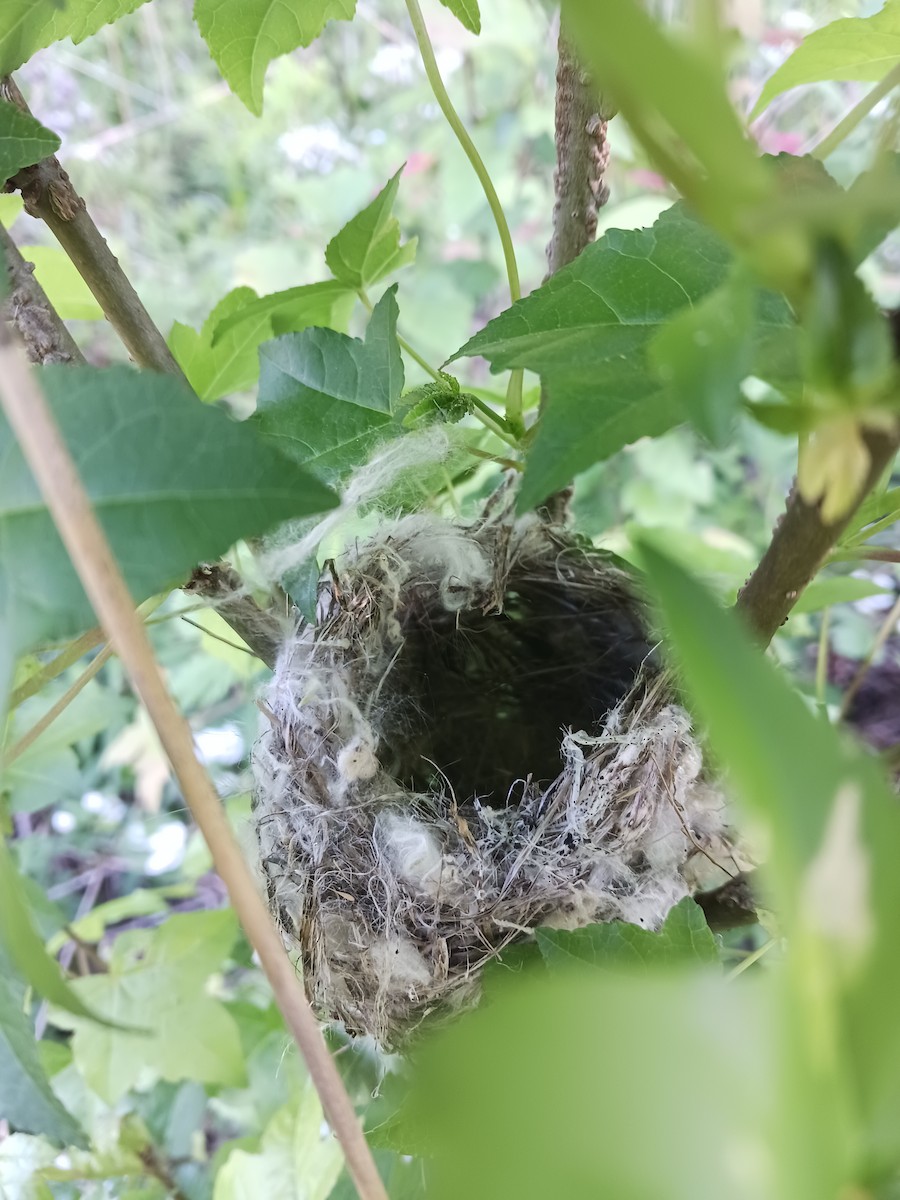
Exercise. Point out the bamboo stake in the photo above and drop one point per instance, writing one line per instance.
(48, 457)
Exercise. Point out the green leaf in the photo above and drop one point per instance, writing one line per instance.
(705, 353)
(11, 207)
(30, 25)
(216, 366)
(66, 290)
(368, 247)
(843, 589)
(299, 1159)
(574, 1085)
(26, 1098)
(20, 940)
(48, 770)
(23, 140)
(327, 304)
(245, 35)
(156, 983)
(685, 938)
(467, 11)
(587, 331)
(857, 48)
(326, 399)
(877, 512)
(831, 825)
(173, 481)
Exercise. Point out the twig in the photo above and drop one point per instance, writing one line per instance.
(866, 554)
(43, 331)
(822, 660)
(799, 546)
(845, 127)
(582, 158)
(52, 466)
(752, 958)
(67, 657)
(48, 194)
(31, 736)
(881, 637)
(221, 585)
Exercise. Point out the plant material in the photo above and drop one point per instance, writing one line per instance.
(471, 742)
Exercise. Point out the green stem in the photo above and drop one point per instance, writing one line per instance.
(751, 959)
(482, 412)
(822, 661)
(514, 391)
(844, 128)
(486, 415)
(455, 122)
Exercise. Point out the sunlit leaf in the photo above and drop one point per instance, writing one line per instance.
(298, 1159)
(327, 304)
(231, 364)
(29, 25)
(245, 35)
(863, 48)
(467, 11)
(66, 290)
(155, 983)
(368, 247)
(10, 208)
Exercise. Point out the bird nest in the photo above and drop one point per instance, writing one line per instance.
(470, 742)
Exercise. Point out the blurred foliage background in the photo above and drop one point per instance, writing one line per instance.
(196, 197)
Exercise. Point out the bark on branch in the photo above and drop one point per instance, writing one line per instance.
(802, 541)
(48, 194)
(46, 338)
(582, 157)
(260, 628)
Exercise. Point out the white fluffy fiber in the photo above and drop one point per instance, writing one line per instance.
(396, 899)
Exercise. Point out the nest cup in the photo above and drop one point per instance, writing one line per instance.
(470, 742)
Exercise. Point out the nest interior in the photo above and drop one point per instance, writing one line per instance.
(470, 742)
(478, 698)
